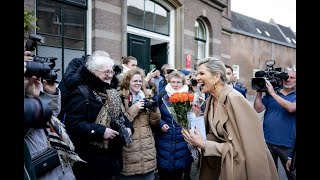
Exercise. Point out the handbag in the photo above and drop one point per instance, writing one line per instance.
(45, 161)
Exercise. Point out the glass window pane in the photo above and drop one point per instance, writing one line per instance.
(135, 12)
(69, 54)
(161, 20)
(73, 21)
(81, 2)
(49, 17)
(201, 49)
(74, 44)
(149, 14)
(200, 40)
(52, 41)
(202, 31)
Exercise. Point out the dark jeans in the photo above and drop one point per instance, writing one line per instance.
(282, 153)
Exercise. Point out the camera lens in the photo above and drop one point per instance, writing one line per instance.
(37, 112)
(37, 69)
(258, 84)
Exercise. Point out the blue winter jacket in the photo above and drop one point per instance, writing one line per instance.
(172, 150)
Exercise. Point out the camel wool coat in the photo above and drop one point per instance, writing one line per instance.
(235, 148)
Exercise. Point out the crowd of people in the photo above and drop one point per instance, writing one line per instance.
(115, 125)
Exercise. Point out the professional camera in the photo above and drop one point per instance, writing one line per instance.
(194, 82)
(152, 105)
(117, 125)
(274, 75)
(37, 112)
(117, 69)
(40, 66)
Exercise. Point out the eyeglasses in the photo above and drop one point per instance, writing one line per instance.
(176, 82)
(106, 72)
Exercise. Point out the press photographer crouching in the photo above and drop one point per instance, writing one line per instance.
(48, 149)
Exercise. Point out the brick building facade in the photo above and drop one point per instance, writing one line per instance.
(156, 32)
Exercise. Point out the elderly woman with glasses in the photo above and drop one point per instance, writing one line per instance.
(173, 154)
(140, 156)
(90, 112)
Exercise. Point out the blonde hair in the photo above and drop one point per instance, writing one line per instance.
(127, 59)
(125, 83)
(215, 66)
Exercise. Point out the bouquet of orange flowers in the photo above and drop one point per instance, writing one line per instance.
(181, 103)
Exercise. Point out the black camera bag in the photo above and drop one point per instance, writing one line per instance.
(46, 161)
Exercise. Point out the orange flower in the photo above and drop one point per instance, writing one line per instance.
(181, 103)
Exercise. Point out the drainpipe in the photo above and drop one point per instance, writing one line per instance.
(124, 22)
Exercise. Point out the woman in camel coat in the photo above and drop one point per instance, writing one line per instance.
(235, 148)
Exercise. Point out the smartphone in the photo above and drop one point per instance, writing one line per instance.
(152, 67)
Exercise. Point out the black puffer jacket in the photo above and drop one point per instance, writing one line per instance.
(71, 78)
(82, 129)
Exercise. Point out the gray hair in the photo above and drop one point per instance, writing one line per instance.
(215, 66)
(98, 60)
(177, 74)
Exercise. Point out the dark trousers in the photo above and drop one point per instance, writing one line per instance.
(170, 175)
(282, 153)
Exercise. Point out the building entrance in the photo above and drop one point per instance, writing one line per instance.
(148, 51)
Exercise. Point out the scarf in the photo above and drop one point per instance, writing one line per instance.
(136, 98)
(110, 110)
(59, 140)
(170, 91)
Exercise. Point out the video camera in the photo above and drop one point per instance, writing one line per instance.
(117, 125)
(274, 75)
(40, 66)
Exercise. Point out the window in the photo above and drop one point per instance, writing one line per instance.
(200, 40)
(148, 15)
(63, 25)
(267, 33)
(288, 39)
(258, 30)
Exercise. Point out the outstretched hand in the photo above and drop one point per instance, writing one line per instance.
(193, 137)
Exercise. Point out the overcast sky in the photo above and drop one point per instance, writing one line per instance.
(281, 11)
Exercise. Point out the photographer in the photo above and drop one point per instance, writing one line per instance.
(31, 120)
(140, 156)
(94, 105)
(279, 124)
(49, 138)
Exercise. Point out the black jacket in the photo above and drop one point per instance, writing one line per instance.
(82, 129)
(71, 78)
